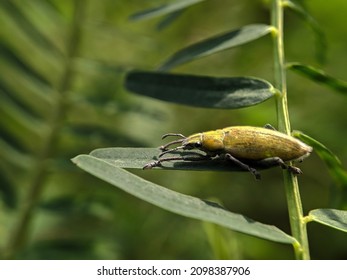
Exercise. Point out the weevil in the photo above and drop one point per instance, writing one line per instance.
(244, 146)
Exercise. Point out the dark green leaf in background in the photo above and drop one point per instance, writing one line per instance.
(319, 76)
(216, 44)
(168, 20)
(178, 203)
(200, 91)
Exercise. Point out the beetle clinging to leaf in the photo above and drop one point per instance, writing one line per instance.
(244, 146)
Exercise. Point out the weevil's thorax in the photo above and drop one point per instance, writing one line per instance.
(213, 141)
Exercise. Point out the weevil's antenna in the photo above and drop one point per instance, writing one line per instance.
(171, 150)
(173, 134)
(178, 141)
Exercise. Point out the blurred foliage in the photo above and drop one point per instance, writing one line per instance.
(65, 61)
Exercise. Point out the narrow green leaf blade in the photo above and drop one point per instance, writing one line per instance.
(319, 76)
(178, 203)
(330, 217)
(216, 44)
(200, 91)
(163, 9)
(168, 20)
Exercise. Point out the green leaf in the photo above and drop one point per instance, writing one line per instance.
(216, 44)
(330, 217)
(320, 39)
(200, 91)
(126, 157)
(168, 20)
(319, 76)
(178, 203)
(163, 9)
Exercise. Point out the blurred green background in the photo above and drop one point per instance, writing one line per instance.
(62, 66)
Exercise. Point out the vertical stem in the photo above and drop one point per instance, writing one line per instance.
(297, 224)
(20, 232)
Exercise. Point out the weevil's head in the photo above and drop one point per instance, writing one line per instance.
(185, 143)
(192, 142)
(211, 141)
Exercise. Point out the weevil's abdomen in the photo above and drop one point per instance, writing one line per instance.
(256, 143)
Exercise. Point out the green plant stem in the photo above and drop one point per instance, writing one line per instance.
(19, 235)
(297, 224)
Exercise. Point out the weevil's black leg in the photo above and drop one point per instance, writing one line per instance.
(184, 158)
(243, 166)
(269, 126)
(276, 161)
